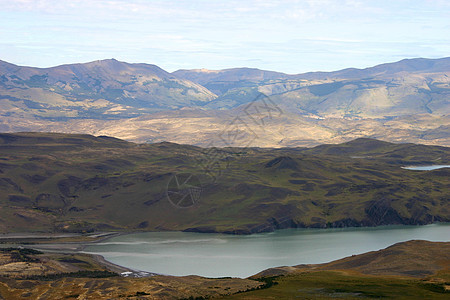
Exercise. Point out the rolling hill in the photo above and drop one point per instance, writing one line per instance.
(82, 183)
(407, 270)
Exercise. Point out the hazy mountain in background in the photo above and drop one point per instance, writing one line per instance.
(100, 89)
(220, 81)
(205, 76)
(405, 101)
(409, 86)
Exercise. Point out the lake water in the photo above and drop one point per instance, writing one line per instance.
(426, 168)
(219, 255)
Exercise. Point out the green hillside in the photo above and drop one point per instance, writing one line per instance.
(407, 270)
(80, 183)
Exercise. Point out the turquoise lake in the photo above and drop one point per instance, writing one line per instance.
(220, 255)
(426, 168)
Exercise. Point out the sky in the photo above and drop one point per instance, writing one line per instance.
(291, 36)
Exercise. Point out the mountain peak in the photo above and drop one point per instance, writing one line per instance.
(126, 89)
(111, 62)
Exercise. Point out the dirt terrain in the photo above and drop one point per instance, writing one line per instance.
(31, 274)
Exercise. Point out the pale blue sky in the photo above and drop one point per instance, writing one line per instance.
(290, 36)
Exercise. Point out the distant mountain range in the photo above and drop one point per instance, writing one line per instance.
(402, 101)
(409, 86)
(100, 89)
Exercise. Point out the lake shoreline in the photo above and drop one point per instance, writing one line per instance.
(185, 253)
(267, 228)
(79, 247)
(30, 238)
(75, 247)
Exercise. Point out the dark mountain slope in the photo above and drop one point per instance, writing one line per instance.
(78, 183)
